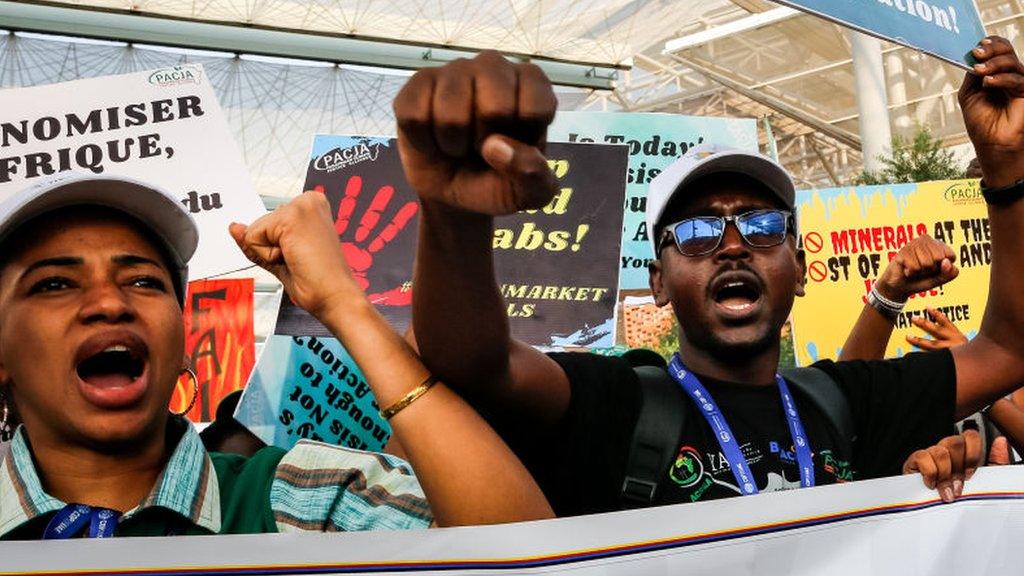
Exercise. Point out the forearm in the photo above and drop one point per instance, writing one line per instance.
(992, 364)
(1003, 322)
(467, 472)
(869, 337)
(1010, 421)
(459, 318)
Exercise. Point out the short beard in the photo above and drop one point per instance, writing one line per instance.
(725, 352)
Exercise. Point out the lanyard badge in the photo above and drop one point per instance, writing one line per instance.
(727, 441)
(73, 518)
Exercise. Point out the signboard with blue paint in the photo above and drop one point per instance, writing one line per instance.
(654, 141)
(946, 29)
(850, 234)
(308, 387)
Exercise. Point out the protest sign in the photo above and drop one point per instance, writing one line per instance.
(850, 234)
(162, 127)
(946, 29)
(557, 269)
(884, 527)
(654, 141)
(556, 265)
(219, 342)
(309, 387)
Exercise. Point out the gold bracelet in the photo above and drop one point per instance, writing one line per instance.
(414, 394)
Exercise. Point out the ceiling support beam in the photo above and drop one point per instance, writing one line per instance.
(132, 27)
(782, 107)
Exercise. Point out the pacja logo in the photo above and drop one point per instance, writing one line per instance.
(177, 75)
(342, 157)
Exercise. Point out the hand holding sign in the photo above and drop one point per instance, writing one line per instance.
(992, 100)
(297, 244)
(470, 135)
(360, 250)
(921, 265)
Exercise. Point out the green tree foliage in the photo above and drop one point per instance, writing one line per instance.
(919, 160)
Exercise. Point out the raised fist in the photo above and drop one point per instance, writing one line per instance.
(471, 135)
(922, 264)
(992, 102)
(297, 243)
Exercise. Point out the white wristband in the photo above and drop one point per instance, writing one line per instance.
(885, 307)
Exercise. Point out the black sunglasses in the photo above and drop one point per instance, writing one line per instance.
(703, 234)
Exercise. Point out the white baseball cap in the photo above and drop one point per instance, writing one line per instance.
(707, 159)
(157, 209)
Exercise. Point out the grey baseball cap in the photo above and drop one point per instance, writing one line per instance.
(706, 159)
(157, 209)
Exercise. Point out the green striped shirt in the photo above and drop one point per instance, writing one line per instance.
(312, 487)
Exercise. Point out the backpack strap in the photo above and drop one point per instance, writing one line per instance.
(824, 392)
(655, 437)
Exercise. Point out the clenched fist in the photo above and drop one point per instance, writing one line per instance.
(471, 135)
(921, 265)
(298, 244)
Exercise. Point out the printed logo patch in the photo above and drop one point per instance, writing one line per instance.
(687, 469)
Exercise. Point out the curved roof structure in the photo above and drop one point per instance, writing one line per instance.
(746, 58)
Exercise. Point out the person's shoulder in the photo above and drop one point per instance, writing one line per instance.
(909, 364)
(591, 364)
(311, 455)
(319, 486)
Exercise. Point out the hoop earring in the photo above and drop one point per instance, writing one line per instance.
(195, 391)
(5, 414)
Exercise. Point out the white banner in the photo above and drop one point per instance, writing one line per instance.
(161, 126)
(892, 526)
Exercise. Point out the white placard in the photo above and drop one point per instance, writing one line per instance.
(161, 126)
(880, 527)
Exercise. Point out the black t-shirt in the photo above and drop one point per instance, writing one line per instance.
(898, 406)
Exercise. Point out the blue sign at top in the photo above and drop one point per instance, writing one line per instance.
(946, 29)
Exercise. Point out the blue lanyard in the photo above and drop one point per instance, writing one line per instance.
(71, 519)
(727, 441)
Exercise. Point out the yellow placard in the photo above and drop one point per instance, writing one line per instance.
(850, 234)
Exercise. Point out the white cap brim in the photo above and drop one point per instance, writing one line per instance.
(155, 208)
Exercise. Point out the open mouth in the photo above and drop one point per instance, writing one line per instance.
(737, 292)
(116, 365)
(112, 368)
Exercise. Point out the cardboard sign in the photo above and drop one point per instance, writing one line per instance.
(557, 265)
(162, 126)
(946, 29)
(850, 234)
(220, 344)
(888, 527)
(309, 387)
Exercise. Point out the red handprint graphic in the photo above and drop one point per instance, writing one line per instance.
(360, 249)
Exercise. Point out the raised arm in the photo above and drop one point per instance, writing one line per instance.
(471, 136)
(921, 265)
(992, 100)
(467, 472)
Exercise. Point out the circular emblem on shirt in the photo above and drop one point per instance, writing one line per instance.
(687, 469)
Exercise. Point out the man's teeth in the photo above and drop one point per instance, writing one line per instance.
(116, 348)
(738, 306)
